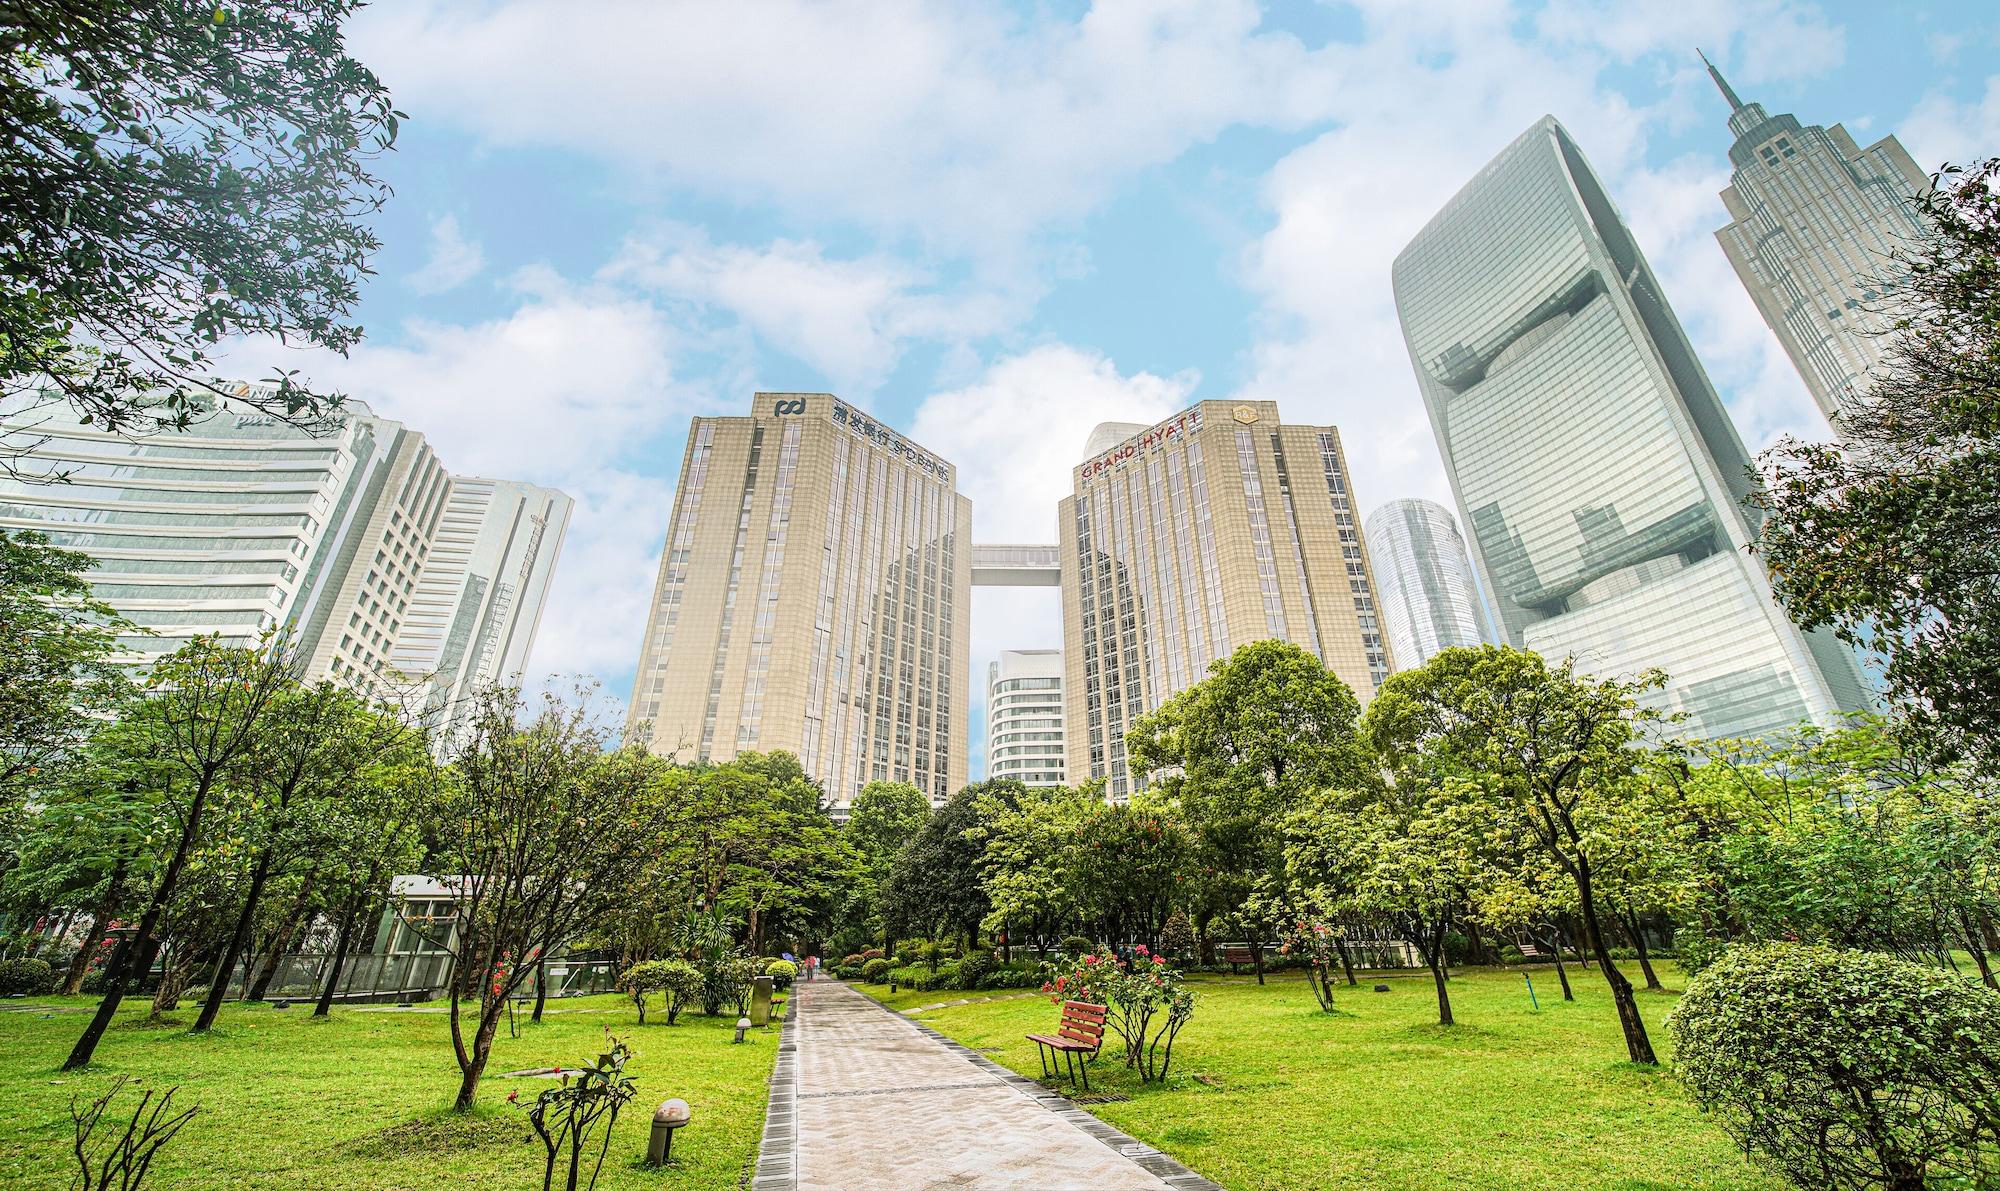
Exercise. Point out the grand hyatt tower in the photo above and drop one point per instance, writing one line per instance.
(1215, 528)
(814, 597)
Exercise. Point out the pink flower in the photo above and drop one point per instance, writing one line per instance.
(1090, 959)
(514, 1097)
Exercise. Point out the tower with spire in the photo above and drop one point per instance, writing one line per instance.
(1814, 221)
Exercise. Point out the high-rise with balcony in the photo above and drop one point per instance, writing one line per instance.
(1601, 478)
(1814, 219)
(1428, 596)
(1181, 541)
(814, 596)
(1024, 717)
(242, 525)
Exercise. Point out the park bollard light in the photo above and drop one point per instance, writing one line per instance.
(742, 1027)
(671, 1115)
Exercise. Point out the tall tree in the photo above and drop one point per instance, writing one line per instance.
(1891, 537)
(174, 174)
(55, 639)
(538, 830)
(316, 742)
(1543, 746)
(1243, 748)
(210, 701)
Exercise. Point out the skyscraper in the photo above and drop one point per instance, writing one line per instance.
(479, 597)
(1430, 600)
(1813, 220)
(1024, 716)
(243, 524)
(814, 597)
(1215, 528)
(1597, 469)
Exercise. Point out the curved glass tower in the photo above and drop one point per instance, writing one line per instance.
(1602, 480)
(1429, 598)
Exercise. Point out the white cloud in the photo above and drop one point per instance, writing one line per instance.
(453, 261)
(1786, 40)
(956, 121)
(1942, 129)
(596, 613)
(849, 319)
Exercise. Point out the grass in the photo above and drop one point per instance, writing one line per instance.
(1268, 1093)
(361, 1100)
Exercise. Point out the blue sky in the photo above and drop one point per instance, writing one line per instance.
(996, 227)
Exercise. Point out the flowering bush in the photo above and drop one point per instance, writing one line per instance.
(1317, 945)
(1146, 1003)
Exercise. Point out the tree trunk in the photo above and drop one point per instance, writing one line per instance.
(541, 984)
(1638, 1047)
(281, 944)
(1632, 928)
(474, 1064)
(144, 945)
(340, 942)
(1972, 944)
(1562, 973)
(1257, 959)
(100, 922)
(1444, 994)
(1346, 961)
(173, 982)
(225, 964)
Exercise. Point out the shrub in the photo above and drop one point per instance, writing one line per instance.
(851, 961)
(782, 972)
(1846, 1069)
(740, 974)
(922, 979)
(1695, 948)
(1176, 936)
(1146, 1000)
(875, 971)
(30, 977)
(1076, 946)
(872, 953)
(975, 968)
(1012, 976)
(680, 981)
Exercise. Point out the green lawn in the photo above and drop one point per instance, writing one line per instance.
(359, 1102)
(1268, 1093)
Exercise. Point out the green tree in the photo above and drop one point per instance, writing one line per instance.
(179, 174)
(935, 887)
(1545, 748)
(210, 700)
(1891, 537)
(1238, 751)
(55, 639)
(1028, 840)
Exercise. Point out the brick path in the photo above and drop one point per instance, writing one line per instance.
(863, 1099)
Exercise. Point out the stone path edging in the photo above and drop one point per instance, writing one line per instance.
(778, 1152)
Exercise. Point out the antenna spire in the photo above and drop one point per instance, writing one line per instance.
(1735, 104)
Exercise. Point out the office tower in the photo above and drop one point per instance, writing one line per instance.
(1181, 541)
(1598, 471)
(243, 524)
(813, 596)
(1024, 716)
(1813, 221)
(479, 596)
(1428, 595)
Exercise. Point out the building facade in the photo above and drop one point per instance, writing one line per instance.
(1601, 478)
(478, 600)
(1182, 541)
(814, 596)
(1814, 219)
(1024, 717)
(243, 525)
(1429, 597)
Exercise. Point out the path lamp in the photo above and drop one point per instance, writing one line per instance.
(742, 1028)
(671, 1115)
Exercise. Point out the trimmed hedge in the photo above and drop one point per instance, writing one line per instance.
(29, 977)
(875, 971)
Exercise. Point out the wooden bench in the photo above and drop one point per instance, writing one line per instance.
(1236, 953)
(1080, 1033)
(1529, 950)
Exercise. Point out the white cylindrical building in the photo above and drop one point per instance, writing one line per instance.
(1024, 717)
(1424, 581)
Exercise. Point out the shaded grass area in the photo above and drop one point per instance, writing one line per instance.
(1268, 1093)
(361, 1100)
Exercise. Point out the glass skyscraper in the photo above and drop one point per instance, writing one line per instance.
(1429, 597)
(1600, 476)
(1813, 221)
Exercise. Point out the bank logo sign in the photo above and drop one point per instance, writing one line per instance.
(794, 405)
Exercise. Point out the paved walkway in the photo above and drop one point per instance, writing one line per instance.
(863, 1099)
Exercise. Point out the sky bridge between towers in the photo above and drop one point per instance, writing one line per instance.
(1015, 565)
